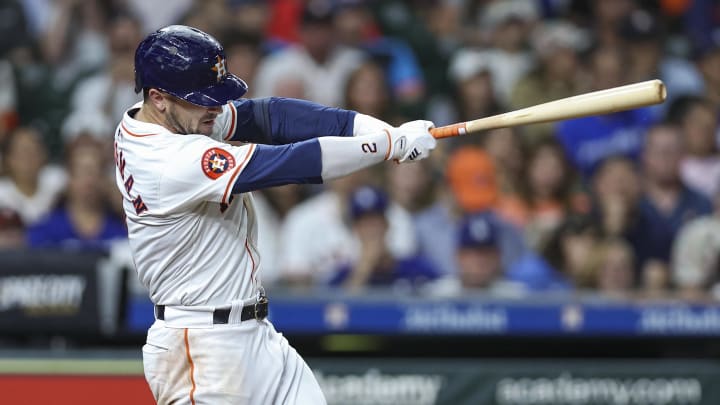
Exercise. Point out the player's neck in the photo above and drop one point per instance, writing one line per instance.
(147, 114)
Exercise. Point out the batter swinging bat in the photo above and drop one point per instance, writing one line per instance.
(595, 103)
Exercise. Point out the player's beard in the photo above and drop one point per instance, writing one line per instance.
(175, 122)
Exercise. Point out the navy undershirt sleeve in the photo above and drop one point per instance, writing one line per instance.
(295, 163)
(280, 121)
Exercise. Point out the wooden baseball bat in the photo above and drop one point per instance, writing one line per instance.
(595, 103)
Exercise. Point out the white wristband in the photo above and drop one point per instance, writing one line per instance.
(366, 125)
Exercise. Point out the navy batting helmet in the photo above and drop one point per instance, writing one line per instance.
(187, 63)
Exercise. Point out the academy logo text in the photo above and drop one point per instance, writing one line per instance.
(569, 390)
(376, 388)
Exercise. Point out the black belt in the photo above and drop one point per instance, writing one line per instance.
(258, 310)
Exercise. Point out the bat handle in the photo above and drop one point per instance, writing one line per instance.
(448, 131)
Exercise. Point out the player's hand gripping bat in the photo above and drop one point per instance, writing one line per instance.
(595, 103)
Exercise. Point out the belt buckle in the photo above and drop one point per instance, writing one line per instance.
(260, 308)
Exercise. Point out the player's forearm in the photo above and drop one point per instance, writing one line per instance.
(342, 156)
(281, 121)
(311, 161)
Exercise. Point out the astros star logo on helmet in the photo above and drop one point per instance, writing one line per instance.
(215, 162)
(220, 68)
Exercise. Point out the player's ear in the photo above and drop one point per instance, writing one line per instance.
(158, 99)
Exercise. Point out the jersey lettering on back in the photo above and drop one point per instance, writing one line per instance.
(137, 201)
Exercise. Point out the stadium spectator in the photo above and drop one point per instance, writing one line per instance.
(112, 89)
(83, 219)
(8, 100)
(550, 192)
(508, 155)
(244, 50)
(478, 255)
(606, 17)
(250, 17)
(587, 141)
(616, 192)
(31, 187)
(366, 91)
(271, 208)
(356, 28)
(557, 75)
(508, 25)
(375, 265)
(655, 279)
(473, 86)
(698, 122)
(12, 230)
(154, 14)
(479, 261)
(411, 24)
(320, 65)
(471, 189)
(212, 17)
(317, 239)
(615, 268)
(74, 39)
(696, 254)
(571, 250)
(643, 37)
(411, 186)
(666, 203)
(708, 61)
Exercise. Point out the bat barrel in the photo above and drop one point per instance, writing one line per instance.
(595, 103)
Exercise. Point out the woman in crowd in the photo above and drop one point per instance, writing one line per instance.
(83, 219)
(30, 186)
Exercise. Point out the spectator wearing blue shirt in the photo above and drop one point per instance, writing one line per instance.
(666, 203)
(83, 220)
(376, 266)
(590, 140)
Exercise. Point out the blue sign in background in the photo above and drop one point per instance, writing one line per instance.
(472, 316)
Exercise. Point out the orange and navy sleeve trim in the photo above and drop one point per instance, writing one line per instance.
(235, 173)
(233, 122)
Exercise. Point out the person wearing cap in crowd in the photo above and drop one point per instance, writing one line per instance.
(471, 188)
(321, 66)
(376, 265)
(508, 25)
(478, 253)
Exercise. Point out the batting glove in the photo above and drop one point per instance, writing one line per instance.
(411, 141)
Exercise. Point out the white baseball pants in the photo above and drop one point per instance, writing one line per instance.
(241, 363)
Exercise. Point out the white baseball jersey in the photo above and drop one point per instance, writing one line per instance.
(193, 242)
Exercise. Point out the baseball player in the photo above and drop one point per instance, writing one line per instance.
(191, 222)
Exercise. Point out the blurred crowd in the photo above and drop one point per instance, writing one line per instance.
(626, 204)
